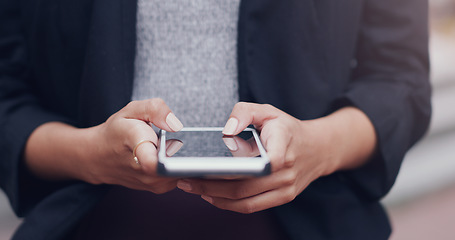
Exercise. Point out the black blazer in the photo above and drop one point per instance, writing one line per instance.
(73, 61)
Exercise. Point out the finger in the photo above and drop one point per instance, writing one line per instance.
(238, 189)
(256, 203)
(151, 184)
(158, 184)
(173, 146)
(245, 114)
(162, 188)
(147, 155)
(276, 143)
(241, 148)
(155, 111)
(144, 140)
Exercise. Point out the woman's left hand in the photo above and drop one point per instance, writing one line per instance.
(300, 152)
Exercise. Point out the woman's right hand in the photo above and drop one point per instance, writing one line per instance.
(104, 154)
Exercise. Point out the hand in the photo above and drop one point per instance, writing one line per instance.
(300, 152)
(103, 154)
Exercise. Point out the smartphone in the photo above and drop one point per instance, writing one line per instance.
(206, 152)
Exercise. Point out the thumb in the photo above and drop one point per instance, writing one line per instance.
(152, 110)
(245, 114)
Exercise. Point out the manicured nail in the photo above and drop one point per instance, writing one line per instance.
(184, 185)
(207, 198)
(173, 148)
(173, 122)
(231, 126)
(231, 143)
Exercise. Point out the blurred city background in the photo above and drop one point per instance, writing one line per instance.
(422, 203)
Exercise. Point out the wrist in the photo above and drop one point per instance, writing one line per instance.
(85, 151)
(90, 152)
(57, 151)
(352, 138)
(343, 140)
(322, 137)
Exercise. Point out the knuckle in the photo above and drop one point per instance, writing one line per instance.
(249, 208)
(290, 195)
(289, 179)
(132, 104)
(151, 106)
(201, 188)
(241, 106)
(147, 181)
(268, 107)
(157, 101)
(161, 188)
(149, 168)
(239, 193)
(121, 150)
(105, 180)
(291, 156)
(276, 157)
(222, 205)
(96, 181)
(154, 106)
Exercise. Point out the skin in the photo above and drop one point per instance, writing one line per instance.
(300, 152)
(103, 154)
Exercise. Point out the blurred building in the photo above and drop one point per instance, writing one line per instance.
(422, 201)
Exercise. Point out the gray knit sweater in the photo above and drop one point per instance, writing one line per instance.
(186, 54)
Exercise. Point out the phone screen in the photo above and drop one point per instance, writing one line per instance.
(210, 144)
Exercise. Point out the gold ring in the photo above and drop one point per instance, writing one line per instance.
(135, 148)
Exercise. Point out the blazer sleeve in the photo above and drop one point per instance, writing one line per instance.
(391, 85)
(20, 114)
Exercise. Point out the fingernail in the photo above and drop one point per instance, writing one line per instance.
(207, 198)
(231, 126)
(231, 143)
(184, 185)
(173, 122)
(173, 148)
